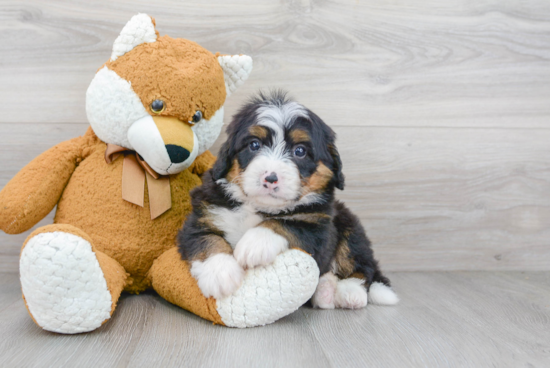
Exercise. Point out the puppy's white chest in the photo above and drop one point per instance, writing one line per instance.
(234, 223)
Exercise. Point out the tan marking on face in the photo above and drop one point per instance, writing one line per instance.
(299, 135)
(183, 74)
(234, 174)
(319, 179)
(344, 263)
(258, 131)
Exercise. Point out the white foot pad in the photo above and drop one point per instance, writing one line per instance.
(350, 294)
(63, 283)
(324, 295)
(271, 292)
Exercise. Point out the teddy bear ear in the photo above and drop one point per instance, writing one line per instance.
(236, 69)
(140, 29)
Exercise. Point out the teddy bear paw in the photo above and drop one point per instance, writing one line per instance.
(63, 285)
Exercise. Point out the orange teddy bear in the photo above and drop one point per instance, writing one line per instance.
(122, 193)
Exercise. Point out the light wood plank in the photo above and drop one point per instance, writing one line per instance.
(445, 319)
(287, 343)
(460, 64)
(110, 345)
(451, 198)
(450, 320)
(430, 198)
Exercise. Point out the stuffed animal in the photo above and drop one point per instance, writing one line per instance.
(122, 193)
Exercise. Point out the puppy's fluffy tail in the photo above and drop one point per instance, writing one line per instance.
(382, 294)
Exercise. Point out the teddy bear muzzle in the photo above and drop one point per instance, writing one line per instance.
(167, 144)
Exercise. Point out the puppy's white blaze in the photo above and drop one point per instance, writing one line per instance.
(324, 294)
(279, 117)
(350, 294)
(382, 294)
(276, 152)
(218, 276)
(258, 247)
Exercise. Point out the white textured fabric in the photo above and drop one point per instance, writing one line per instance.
(236, 69)
(112, 107)
(271, 292)
(63, 283)
(140, 29)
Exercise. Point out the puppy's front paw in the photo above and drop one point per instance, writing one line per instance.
(258, 247)
(218, 276)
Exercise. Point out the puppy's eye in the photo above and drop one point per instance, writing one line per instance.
(255, 145)
(300, 151)
(158, 106)
(196, 118)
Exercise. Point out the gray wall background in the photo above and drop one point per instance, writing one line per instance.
(442, 109)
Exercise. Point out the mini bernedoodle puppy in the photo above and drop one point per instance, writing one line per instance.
(272, 188)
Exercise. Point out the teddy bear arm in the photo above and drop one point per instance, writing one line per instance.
(266, 294)
(203, 163)
(36, 189)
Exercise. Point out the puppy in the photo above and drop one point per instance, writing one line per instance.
(271, 189)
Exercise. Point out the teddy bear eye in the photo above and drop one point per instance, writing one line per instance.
(196, 118)
(157, 106)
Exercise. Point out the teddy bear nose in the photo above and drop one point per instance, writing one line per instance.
(177, 154)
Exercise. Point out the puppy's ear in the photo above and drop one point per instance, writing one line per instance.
(223, 163)
(336, 167)
(326, 137)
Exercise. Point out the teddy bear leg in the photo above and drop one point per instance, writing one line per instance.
(68, 287)
(267, 293)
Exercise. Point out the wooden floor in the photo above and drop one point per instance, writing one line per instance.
(454, 319)
(442, 108)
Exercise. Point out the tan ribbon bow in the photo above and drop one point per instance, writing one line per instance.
(134, 172)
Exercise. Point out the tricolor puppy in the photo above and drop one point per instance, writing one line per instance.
(272, 188)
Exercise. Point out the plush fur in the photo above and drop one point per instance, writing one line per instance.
(109, 244)
(272, 188)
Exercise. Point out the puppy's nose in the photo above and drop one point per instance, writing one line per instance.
(177, 154)
(271, 178)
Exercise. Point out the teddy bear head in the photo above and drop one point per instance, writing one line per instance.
(162, 97)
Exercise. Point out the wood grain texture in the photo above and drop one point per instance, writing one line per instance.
(382, 63)
(441, 109)
(430, 198)
(445, 319)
